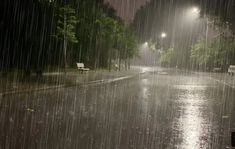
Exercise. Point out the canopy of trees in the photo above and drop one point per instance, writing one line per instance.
(158, 16)
(219, 53)
(36, 34)
(167, 57)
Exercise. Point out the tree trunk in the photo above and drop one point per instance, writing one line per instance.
(129, 64)
(109, 61)
(65, 45)
(119, 63)
(125, 64)
(65, 55)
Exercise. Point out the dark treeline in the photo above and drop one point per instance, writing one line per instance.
(26, 29)
(38, 34)
(187, 37)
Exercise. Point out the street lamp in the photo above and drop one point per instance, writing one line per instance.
(191, 15)
(195, 10)
(163, 35)
(146, 44)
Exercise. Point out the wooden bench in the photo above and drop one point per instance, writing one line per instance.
(81, 67)
(231, 70)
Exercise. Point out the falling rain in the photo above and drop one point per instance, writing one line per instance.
(117, 74)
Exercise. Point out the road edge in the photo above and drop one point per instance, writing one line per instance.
(96, 82)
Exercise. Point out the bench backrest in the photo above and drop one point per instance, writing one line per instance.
(80, 65)
(232, 67)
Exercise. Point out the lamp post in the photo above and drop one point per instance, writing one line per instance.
(163, 36)
(196, 11)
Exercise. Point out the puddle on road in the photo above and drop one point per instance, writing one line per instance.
(193, 125)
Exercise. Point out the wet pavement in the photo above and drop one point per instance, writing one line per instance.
(157, 110)
(18, 83)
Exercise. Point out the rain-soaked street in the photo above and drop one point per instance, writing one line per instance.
(117, 74)
(157, 110)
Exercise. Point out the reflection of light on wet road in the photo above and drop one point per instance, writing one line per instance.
(145, 95)
(191, 122)
(145, 91)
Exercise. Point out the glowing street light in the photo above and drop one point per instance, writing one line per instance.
(163, 35)
(191, 15)
(146, 44)
(195, 10)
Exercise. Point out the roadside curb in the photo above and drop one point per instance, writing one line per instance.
(96, 82)
(222, 82)
(217, 80)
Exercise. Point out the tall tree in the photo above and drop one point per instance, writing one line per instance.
(66, 26)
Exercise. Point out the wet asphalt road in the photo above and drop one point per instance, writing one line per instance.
(152, 111)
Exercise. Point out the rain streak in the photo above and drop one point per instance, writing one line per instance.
(117, 74)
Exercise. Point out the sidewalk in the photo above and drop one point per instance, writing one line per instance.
(223, 78)
(13, 84)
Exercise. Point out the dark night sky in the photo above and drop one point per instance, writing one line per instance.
(126, 9)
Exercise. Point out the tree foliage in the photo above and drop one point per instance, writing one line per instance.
(66, 24)
(90, 30)
(218, 53)
(167, 57)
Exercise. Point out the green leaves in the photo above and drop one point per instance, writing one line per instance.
(217, 53)
(167, 56)
(103, 38)
(117, 36)
(199, 53)
(66, 24)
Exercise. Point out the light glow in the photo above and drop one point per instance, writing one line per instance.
(163, 35)
(195, 10)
